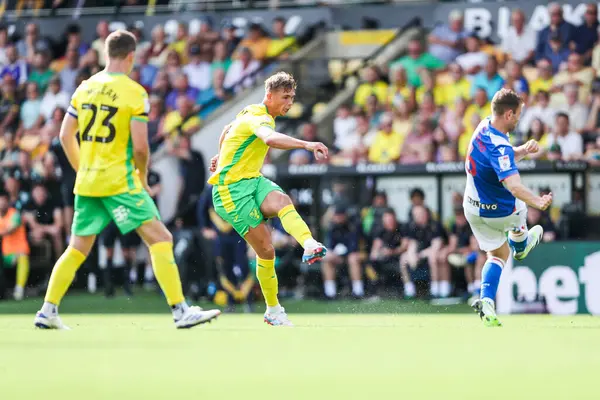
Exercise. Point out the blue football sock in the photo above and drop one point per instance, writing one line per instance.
(491, 278)
(517, 243)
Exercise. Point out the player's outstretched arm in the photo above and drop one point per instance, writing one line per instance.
(515, 186)
(68, 129)
(284, 142)
(141, 150)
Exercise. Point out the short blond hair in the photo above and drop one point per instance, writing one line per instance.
(120, 43)
(281, 80)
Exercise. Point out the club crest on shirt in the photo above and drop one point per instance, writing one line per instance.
(504, 162)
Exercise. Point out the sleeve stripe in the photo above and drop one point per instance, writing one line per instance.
(72, 110)
(142, 115)
(140, 118)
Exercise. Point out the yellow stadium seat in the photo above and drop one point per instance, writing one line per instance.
(318, 108)
(336, 70)
(353, 65)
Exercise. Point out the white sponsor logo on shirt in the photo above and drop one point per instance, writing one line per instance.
(504, 162)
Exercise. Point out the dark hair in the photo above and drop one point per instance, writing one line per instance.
(505, 100)
(120, 44)
(562, 115)
(279, 19)
(417, 192)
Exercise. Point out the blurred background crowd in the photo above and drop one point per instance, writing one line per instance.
(422, 107)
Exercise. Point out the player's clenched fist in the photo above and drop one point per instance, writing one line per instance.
(213, 163)
(544, 201)
(532, 146)
(318, 149)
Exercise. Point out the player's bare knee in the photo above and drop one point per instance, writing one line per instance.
(266, 252)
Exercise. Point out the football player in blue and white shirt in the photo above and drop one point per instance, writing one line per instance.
(495, 200)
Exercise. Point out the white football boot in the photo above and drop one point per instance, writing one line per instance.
(195, 316)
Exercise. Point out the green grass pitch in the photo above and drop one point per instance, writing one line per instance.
(326, 356)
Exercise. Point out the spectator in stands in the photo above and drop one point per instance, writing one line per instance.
(256, 41)
(388, 243)
(515, 80)
(281, 45)
(462, 252)
(577, 111)
(344, 129)
(9, 104)
(173, 66)
(148, 71)
(162, 86)
(544, 77)
(90, 62)
(210, 99)
(558, 25)
(399, 92)
(541, 109)
(342, 240)
(537, 131)
(481, 107)
(586, 35)
(198, 71)
(53, 98)
(300, 157)
(424, 245)
(180, 123)
(415, 60)
(206, 38)
(220, 60)
(451, 120)
(387, 145)
(74, 40)
(429, 86)
(473, 60)
(32, 43)
(15, 248)
(556, 52)
(372, 217)
(230, 39)
(428, 109)
(181, 87)
(570, 142)
(155, 120)
(10, 154)
(4, 42)
(16, 189)
(102, 31)
(489, 79)
(458, 87)
(16, 67)
(575, 73)
(69, 72)
(446, 42)
(43, 216)
(31, 112)
(536, 217)
(41, 72)
(592, 154)
(519, 42)
(240, 73)
(180, 44)
(417, 147)
(403, 120)
(372, 85)
(373, 111)
(159, 49)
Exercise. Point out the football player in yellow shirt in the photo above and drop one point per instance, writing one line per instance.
(244, 198)
(111, 113)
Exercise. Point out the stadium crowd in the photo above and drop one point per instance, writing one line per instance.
(421, 108)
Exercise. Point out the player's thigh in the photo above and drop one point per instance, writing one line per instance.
(259, 238)
(270, 197)
(489, 237)
(90, 216)
(236, 205)
(130, 211)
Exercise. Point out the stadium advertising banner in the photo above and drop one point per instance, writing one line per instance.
(565, 274)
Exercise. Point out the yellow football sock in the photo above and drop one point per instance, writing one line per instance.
(22, 270)
(265, 272)
(63, 274)
(294, 224)
(166, 272)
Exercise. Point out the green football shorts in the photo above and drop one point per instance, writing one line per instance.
(129, 211)
(239, 203)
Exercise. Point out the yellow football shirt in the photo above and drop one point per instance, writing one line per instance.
(104, 106)
(243, 153)
(386, 147)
